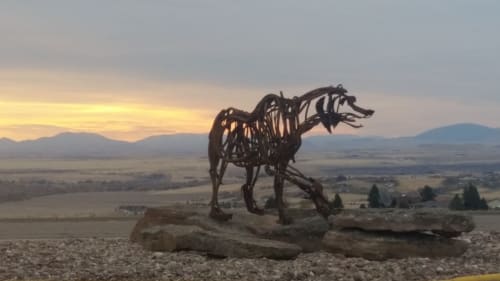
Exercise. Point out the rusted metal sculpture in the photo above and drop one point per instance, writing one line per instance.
(270, 136)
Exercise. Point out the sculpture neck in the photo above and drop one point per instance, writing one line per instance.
(308, 124)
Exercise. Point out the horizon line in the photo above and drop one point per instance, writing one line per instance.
(206, 133)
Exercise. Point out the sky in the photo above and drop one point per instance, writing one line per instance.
(132, 69)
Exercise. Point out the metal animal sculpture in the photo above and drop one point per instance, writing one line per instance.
(270, 136)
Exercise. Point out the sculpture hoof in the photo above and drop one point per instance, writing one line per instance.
(257, 211)
(285, 220)
(220, 215)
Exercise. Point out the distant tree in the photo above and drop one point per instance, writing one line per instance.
(362, 206)
(457, 203)
(403, 202)
(394, 203)
(341, 178)
(337, 204)
(427, 194)
(374, 197)
(483, 205)
(472, 200)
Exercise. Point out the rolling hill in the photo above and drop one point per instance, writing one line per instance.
(81, 145)
(461, 133)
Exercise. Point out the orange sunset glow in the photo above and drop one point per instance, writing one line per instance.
(29, 120)
(35, 104)
(38, 104)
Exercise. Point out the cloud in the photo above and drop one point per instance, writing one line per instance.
(134, 109)
(384, 46)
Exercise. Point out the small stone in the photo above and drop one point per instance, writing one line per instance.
(359, 276)
(158, 255)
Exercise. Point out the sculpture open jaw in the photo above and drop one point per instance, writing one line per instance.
(331, 117)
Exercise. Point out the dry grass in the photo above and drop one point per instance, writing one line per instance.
(414, 183)
(351, 200)
(102, 169)
(181, 169)
(489, 194)
(91, 204)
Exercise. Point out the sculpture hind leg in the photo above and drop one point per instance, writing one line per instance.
(247, 190)
(215, 210)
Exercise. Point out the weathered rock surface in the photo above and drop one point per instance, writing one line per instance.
(245, 235)
(306, 232)
(382, 234)
(440, 221)
(387, 245)
(189, 237)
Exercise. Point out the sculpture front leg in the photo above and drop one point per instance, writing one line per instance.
(215, 210)
(310, 186)
(278, 193)
(217, 214)
(250, 201)
(247, 190)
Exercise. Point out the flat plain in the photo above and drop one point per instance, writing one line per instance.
(81, 197)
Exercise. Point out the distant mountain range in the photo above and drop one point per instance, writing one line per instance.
(461, 133)
(80, 145)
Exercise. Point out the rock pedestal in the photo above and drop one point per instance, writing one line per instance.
(371, 234)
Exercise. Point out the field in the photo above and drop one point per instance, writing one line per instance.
(56, 198)
(36, 219)
(72, 170)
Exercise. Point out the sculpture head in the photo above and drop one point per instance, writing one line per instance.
(340, 108)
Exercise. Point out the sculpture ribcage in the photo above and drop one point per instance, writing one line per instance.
(258, 139)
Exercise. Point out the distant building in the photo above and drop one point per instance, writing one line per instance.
(494, 204)
(132, 210)
(408, 200)
(441, 201)
(341, 178)
(385, 196)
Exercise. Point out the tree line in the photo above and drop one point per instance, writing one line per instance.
(470, 199)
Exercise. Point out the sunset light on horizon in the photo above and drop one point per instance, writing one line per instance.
(121, 118)
(118, 121)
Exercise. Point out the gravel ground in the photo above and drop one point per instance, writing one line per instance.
(117, 259)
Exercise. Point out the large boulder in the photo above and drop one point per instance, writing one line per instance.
(377, 246)
(190, 237)
(255, 235)
(439, 221)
